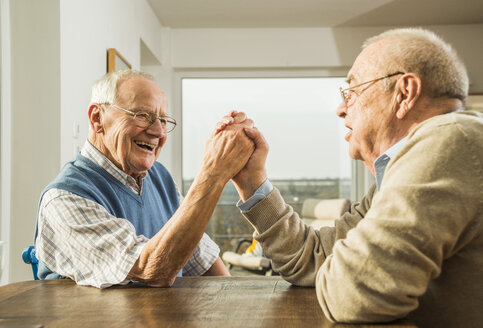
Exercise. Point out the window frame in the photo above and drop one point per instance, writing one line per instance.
(361, 180)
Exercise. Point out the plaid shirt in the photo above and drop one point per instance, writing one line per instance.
(80, 239)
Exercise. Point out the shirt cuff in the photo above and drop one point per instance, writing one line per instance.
(263, 191)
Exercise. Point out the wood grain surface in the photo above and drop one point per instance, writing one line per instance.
(190, 302)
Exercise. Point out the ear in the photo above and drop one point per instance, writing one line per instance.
(95, 118)
(409, 91)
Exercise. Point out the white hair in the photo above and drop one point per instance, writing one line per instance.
(416, 50)
(104, 91)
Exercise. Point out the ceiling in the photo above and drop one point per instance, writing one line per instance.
(315, 13)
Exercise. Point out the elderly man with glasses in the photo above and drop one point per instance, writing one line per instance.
(414, 245)
(114, 214)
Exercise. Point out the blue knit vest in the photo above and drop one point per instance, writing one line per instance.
(148, 213)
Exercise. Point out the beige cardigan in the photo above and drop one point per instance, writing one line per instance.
(415, 248)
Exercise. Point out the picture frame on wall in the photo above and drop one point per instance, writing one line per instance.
(115, 61)
(475, 102)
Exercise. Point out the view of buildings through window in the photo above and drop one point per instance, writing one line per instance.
(308, 155)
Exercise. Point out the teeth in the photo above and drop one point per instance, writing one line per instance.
(142, 143)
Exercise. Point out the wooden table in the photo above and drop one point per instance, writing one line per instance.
(190, 302)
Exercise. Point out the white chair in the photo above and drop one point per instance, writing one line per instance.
(319, 213)
(252, 259)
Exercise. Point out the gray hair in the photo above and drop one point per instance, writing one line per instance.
(416, 50)
(104, 91)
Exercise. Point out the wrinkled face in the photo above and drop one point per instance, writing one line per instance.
(131, 148)
(369, 115)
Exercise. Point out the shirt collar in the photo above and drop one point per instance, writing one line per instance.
(94, 155)
(381, 162)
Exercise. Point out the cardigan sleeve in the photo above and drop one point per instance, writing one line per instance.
(297, 251)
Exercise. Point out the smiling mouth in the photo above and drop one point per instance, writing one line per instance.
(145, 145)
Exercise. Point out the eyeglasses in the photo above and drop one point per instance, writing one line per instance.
(347, 93)
(145, 119)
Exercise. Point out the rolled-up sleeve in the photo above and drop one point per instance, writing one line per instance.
(205, 253)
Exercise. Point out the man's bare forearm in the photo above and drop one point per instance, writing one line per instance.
(168, 251)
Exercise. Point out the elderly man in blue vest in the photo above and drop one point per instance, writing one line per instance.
(114, 214)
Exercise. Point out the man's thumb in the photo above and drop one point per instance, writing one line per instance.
(252, 133)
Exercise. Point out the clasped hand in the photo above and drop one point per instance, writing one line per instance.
(252, 173)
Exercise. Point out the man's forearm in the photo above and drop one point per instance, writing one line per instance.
(168, 251)
(296, 250)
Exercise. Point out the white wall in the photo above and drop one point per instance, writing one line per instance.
(6, 118)
(35, 119)
(303, 47)
(88, 28)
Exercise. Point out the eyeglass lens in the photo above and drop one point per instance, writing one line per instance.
(145, 120)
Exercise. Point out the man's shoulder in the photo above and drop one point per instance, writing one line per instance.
(159, 170)
(451, 126)
(80, 171)
(54, 193)
(158, 166)
(464, 118)
(450, 142)
(83, 178)
(159, 175)
(454, 139)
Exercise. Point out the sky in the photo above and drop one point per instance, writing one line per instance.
(297, 117)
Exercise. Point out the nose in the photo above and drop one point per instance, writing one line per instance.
(156, 129)
(342, 110)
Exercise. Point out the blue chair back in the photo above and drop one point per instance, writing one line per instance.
(28, 256)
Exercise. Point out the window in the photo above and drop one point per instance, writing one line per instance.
(308, 155)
